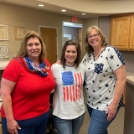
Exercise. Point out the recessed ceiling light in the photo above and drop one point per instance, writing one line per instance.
(63, 10)
(83, 13)
(41, 5)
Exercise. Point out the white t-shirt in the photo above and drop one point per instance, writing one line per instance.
(100, 79)
(68, 101)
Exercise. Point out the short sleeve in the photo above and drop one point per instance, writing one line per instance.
(13, 70)
(115, 58)
(53, 69)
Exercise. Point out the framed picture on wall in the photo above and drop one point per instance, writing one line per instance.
(3, 32)
(19, 32)
(3, 51)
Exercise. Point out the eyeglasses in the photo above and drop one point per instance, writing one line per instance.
(90, 36)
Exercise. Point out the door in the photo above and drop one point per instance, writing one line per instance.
(131, 46)
(120, 32)
(49, 36)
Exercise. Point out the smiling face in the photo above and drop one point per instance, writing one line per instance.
(94, 39)
(33, 48)
(70, 55)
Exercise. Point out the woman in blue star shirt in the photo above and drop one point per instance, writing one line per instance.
(105, 80)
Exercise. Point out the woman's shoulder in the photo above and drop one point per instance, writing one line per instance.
(14, 62)
(86, 57)
(13, 69)
(110, 48)
(81, 65)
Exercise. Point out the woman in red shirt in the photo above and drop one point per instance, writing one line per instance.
(25, 89)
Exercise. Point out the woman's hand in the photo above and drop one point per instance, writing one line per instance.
(58, 62)
(111, 111)
(12, 127)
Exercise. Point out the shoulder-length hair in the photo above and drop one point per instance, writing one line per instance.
(76, 44)
(32, 34)
(89, 48)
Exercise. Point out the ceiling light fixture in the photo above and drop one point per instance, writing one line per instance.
(63, 10)
(83, 13)
(41, 5)
(67, 23)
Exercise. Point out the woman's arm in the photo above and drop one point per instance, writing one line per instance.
(7, 87)
(120, 75)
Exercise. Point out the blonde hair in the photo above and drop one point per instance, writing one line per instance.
(22, 50)
(88, 48)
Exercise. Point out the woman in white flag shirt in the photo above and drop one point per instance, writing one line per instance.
(68, 101)
(105, 80)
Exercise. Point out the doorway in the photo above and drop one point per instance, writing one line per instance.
(72, 31)
(49, 37)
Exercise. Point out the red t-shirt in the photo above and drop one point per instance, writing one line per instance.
(30, 97)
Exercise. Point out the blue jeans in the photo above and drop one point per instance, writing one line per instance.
(98, 121)
(65, 126)
(35, 125)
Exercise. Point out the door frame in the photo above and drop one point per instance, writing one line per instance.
(41, 26)
(74, 25)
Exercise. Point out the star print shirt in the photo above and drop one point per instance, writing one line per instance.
(100, 79)
(68, 101)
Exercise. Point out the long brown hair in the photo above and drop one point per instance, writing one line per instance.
(76, 44)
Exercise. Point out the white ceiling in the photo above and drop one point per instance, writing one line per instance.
(92, 8)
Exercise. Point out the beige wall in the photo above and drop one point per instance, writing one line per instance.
(104, 25)
(29, 18)
(87, 23)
